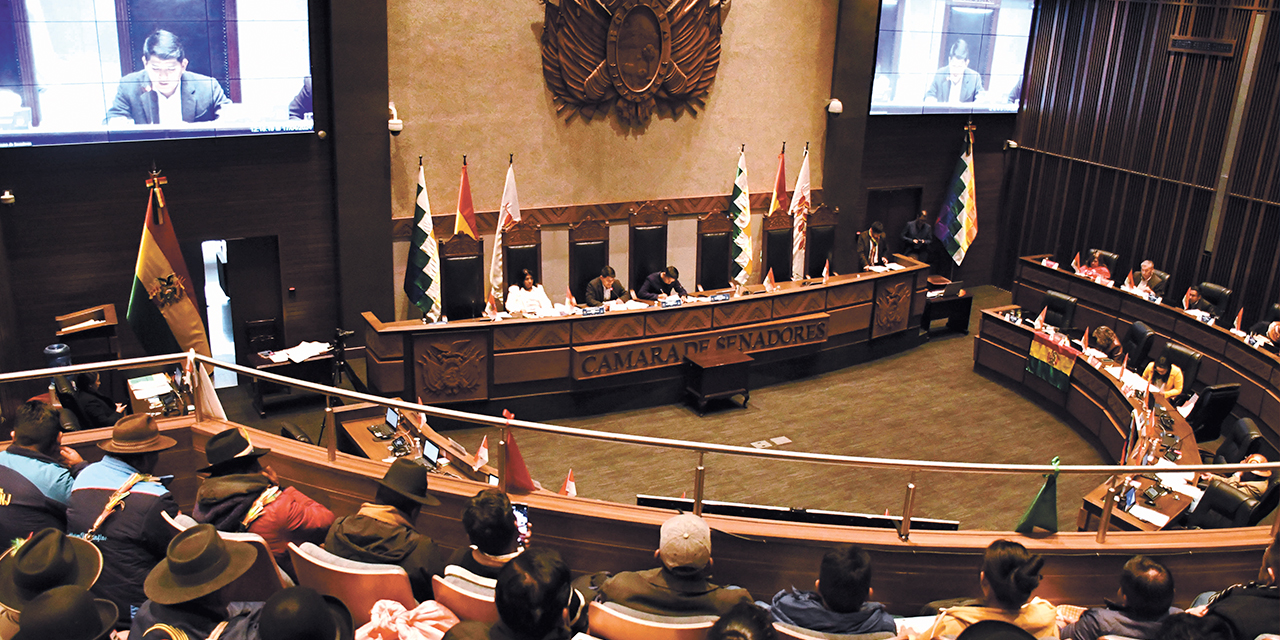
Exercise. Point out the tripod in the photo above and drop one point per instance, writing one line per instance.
(340, 365)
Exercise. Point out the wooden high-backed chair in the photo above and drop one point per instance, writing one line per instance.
(357, 584)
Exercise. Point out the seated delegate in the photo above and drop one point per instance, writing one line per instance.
(605, 288)
(1105, 340)
(1146, 280)
(164, 92)
(1094, 269)
(527, 298)
(1165, 378)
(660, 285)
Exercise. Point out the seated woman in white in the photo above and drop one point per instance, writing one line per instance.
(527, 298)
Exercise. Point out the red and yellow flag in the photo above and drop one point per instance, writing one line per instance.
(779, 201)
(465, 222)
(162, 310)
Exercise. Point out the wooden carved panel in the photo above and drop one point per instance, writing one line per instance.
(460, 245)
(715, 222)
(677, 321)
(650, 215)
(847, 294)
(824, 216)
(609, 328)
(589, 230)
(742, 311)
(532, 335)
(522, 234)
(780, 219)
(451, 367)
(893, 306)
(798, 303)
(549, 364)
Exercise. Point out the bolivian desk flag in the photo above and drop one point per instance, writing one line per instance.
(1050, 361)
(161, 310)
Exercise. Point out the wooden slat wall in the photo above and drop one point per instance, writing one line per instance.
(1121, 141)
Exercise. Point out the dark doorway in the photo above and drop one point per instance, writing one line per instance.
(894, 208)
(252, 283)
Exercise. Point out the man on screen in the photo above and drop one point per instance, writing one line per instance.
(164, 92)
(955, 82)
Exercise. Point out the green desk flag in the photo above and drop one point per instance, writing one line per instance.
(1043, 512)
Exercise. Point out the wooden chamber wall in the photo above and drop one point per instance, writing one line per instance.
(1121, 142)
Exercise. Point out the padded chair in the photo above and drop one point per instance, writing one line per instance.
(263, 579)
(1137, 343)
(798, 633)
(467, 595)
(1060, 309)
(1189, 362)
(1218, 296)
(1241, 439)
(1109, 259)
(1214, 405)
(612, 621)
(1273, 313)
(1221, 507)
(357, 584)
(67, 398)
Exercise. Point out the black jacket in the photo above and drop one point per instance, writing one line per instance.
(379, 534)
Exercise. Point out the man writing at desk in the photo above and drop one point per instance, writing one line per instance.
(660, 285)
(604, 289)
(164, 92)
(1146, 280)
(871, 247)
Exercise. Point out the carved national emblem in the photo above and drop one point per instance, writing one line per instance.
(635, 54)
(451, 371)
(166, 291)
(892, 305)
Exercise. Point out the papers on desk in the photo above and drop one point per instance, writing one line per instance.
(875, 268)
(156, 384)
(1149, 515)
(893, 266)
(630, 305)
(297, 354)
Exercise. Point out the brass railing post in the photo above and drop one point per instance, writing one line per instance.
(699, 479)
(1108, 504)
(908, 505)
(331, 423)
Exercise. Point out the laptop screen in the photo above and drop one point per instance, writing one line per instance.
(393, 418)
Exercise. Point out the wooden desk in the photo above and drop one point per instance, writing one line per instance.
(956, 309)
(318, 369)
(156, 404)
(1226, 358)
(1172, 504)
(718, 375)
(353, 423)
(497, 362)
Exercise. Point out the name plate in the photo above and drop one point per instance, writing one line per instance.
(593, 311)
(672, 302)
(719, 297)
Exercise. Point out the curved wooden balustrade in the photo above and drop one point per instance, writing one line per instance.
(763, 556)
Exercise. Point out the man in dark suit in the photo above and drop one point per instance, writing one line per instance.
(1194, 302)
(164, 92)
(871, 247)
(1146, 279)
(916, 237)
(660, 285)
(955, 82)
(605, 288)
(98, 408)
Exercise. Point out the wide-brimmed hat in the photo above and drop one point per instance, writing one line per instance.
(136, 433)
(228, 448)
(197, 563)
(409, 480)
(299, 613)
(68, 612)
(1257, 458)
(685, 542)
(49, 559)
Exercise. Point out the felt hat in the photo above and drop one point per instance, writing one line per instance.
(409, 479)
(48, 559)
(299, 613)
(685, 542)
(197, 563)
(68, 612)
(1257, 458)
(136, 433)
(230, 446)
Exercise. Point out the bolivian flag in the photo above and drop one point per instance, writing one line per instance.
(162, 311)
(1050, 361)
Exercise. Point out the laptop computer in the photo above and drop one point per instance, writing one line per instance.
(953, 289)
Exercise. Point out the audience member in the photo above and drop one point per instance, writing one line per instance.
(605, 288)
(49, 559)
(681, 586)
(745, 621)
(119, 506)
(185, 597)
(491, 527)
(840, 603)
(994, 630)
(1146, 598)
(36, 473)
(916, 237)
(535, 601)
(527, 297)
(242, 495)
(661, 284)
(1146, 280)
(382, 531)
(1194, 302)
(299, 613)
(871, 247)
(1094, 268)
(1165, 378)
(1251, 483)
(1105, 340)
(1184, 626)
(1009, 575)
(1252, 609)
(67, 613)
(97, 407)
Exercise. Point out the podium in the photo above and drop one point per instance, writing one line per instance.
(91, 334)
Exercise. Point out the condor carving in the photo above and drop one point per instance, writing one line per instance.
(633, 54)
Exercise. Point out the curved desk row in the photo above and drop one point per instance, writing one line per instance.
(762, 556)
(1226, 358)
(480, 360)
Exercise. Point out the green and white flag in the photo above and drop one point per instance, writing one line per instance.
(740, 210)
(422, 275)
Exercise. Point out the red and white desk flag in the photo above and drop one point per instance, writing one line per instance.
(569, 488)
(482, 455)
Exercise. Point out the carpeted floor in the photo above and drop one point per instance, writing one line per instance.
(925, 403)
